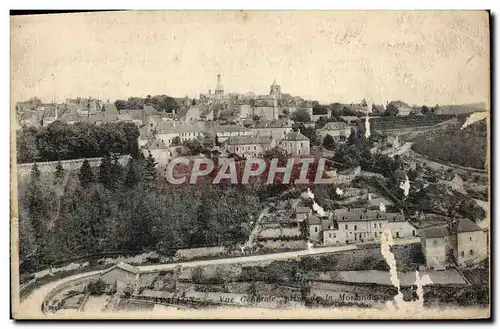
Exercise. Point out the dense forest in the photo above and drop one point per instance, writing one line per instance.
(466, 147)
(124, 209)
(61, 141)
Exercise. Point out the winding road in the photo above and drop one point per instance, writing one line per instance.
(30, 307)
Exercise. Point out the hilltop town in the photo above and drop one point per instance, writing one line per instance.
(93, 195)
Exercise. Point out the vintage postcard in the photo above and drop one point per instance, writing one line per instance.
(251, 165)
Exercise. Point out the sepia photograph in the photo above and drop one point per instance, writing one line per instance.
(248, 164)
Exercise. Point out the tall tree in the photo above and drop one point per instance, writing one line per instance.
(133, 176)
(35, 173)
(329, 142)
(301, 115)
(105, 169)
(86, 175)
(150, 172)
(59, 174)
(116, 172)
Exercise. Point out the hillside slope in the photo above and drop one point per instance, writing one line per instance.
(466, 147)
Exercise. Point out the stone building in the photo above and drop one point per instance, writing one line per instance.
(277, 129)
(435, 243)
(249, 146)
(340, 131)
(469, 243)
(345, 226)
(121, 275)
(296, 144)
(463, 242)
(160, 152)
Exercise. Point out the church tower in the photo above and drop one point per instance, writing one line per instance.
(219, 89)
(275, 90)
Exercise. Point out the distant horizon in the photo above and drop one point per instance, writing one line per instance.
(418, 57)
(112, 100)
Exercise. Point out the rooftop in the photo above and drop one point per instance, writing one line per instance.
(335, 126)
(248, 140)
(435, 232)
(466, 225)
(361, 214)
(313, 220)
(272, 124)
(302, 210)
(295, 136)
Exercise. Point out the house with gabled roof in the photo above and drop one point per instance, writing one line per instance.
(249, 146)
(469, 242)
(296, 144)
(435, 243)
(340, 131)
(462, 241)
(121, 275)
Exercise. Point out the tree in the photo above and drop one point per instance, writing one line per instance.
(133, 176)
(116, 172)
(96, 287)
(321, 122)
(176, 141)
(425, 110)
(27, 145)
(86, 175)
(310, 133)
(105, 169)
(36, 205)
(150, 172)
(197, 274)
(59, 174)
(391, 109)
(274, 153)
(193, 147)
(329, 143)
(35, 173)
(336, 109)
(301, 115)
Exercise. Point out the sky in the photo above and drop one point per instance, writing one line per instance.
(420, 57)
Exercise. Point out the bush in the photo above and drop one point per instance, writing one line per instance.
(96, 287)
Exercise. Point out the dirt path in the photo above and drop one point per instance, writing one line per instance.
(31, 306)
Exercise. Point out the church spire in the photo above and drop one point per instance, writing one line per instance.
(219, 86)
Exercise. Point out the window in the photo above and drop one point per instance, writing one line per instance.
(334, 236)
(375, 225)
(375, 234)
(355, 237)
(434, 242)
(462, 253)
(471, 252)
(346, 226)
(329, 235)
(379, 225)
(470, 239)
(254, 148)
(316, 229)
(397, 235)
(413, 232)
(355, 227)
